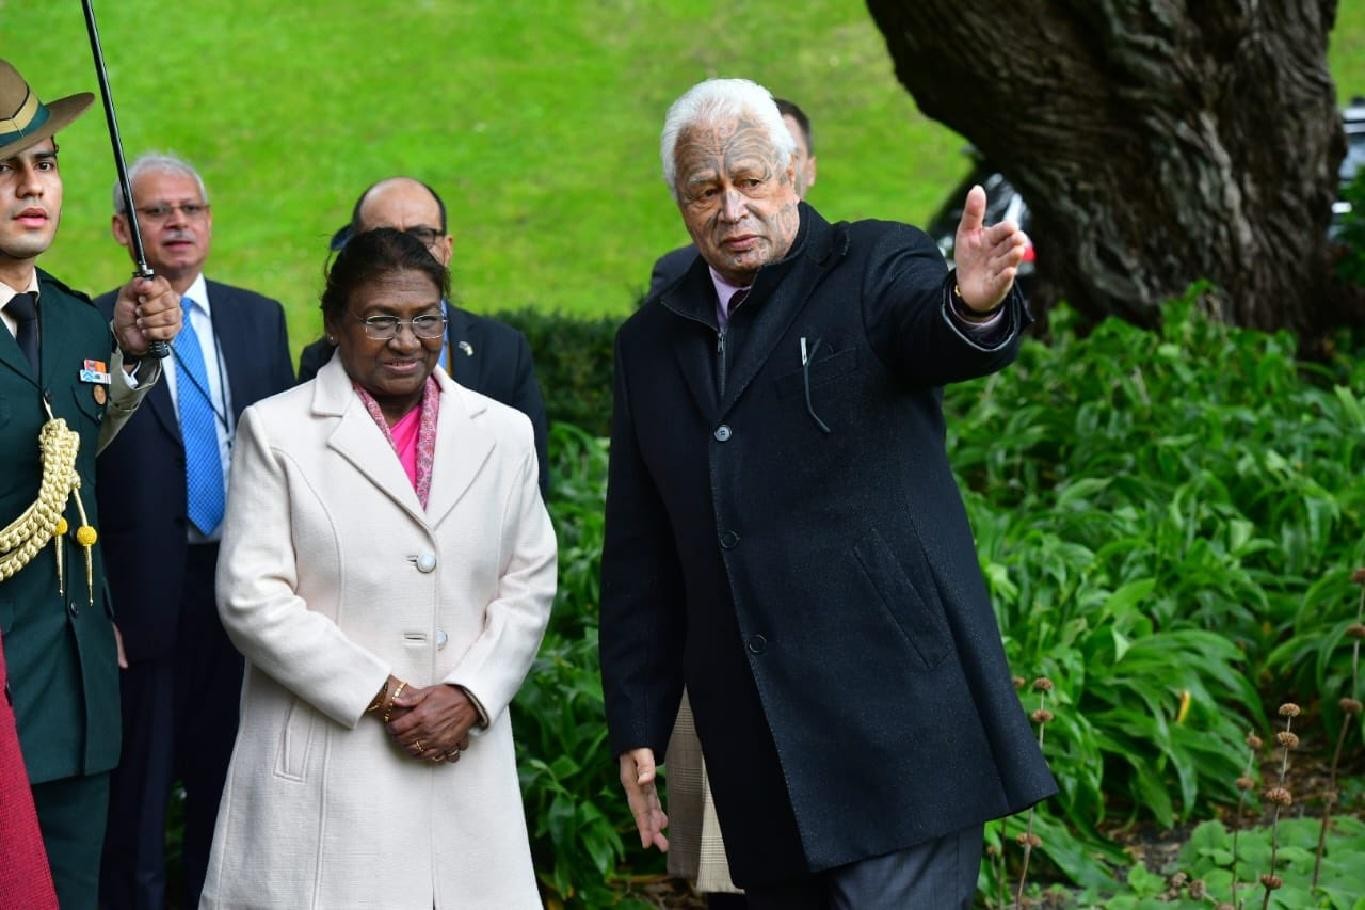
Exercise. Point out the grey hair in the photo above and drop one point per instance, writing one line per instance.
(717, 99)
(157, 163)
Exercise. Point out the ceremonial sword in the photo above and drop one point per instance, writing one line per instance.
(156, 348)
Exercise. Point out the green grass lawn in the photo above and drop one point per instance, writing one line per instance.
(538, 121)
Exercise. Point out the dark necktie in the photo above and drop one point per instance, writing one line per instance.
(736, 299)
(24, 309)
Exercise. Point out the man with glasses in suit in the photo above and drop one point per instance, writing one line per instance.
(164, 483)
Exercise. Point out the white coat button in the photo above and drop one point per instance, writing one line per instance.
(426, 562)
(441, 639)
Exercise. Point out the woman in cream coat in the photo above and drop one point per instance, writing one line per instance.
(342, 588)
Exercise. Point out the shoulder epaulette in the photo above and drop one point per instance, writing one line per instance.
(48, 278)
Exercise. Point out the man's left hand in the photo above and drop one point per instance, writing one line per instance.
(147, 310)
(987, 257)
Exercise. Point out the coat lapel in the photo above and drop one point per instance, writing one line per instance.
(359, 441)
(158, 401)
(461, 362)
(782, 290)
(463, 445)
(13, 358)
(233, 346)
(694, 346)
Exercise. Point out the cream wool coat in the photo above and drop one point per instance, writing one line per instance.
(332, 576)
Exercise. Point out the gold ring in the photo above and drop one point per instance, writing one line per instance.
(420, 750)
(438, 757)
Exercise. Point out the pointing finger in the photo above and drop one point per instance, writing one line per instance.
(974, 210)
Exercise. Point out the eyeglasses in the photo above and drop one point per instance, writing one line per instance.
(428, 235)
(191, 210)
(386, 328)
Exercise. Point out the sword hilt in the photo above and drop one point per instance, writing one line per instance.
(157, 349)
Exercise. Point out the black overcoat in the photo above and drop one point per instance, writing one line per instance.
(790, 543)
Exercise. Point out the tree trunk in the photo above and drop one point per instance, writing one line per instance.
(1157, 142)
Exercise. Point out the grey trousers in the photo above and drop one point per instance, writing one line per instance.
(936, 875)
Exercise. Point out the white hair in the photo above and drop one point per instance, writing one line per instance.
(719, 99)
(157, 163)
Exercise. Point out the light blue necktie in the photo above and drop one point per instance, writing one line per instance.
(198, 430)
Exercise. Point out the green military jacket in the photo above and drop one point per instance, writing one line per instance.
(61, 657)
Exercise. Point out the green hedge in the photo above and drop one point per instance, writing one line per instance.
(573, 359)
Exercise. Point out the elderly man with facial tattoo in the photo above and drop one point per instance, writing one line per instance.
(785, 537)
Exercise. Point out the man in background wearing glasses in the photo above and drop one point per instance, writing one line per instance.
(479, 353)
(163, 484)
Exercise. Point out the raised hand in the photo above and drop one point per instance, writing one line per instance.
(987, 257)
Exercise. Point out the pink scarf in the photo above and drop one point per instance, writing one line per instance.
(413, 437)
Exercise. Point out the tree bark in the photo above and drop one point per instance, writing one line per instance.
(1157, 142)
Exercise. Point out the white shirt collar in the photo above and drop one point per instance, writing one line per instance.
(198, 293)
(7, 293)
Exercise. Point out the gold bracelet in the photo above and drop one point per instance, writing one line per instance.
(388, 705)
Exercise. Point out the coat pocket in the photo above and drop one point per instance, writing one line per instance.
(86, 402)
(914, 609)
(291, 760)
(822, 371)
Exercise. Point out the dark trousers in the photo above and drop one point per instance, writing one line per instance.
(937, 875)
(179, 722)
(71, 813)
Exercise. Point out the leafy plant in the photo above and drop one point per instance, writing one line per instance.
(1207, 860)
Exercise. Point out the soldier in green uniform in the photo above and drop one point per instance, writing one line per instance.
(60, 361)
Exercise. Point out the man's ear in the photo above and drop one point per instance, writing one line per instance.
(119, 226)
(810, 172)
(443, 248)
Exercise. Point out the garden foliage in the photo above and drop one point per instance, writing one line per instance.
(1167, 522)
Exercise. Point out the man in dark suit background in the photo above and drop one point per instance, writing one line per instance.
(163, 483)
(671, 266)
(785, 537)
(480, 353)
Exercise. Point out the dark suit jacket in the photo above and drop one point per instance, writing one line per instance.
(488, 356)
(142, 472)
(669, 267)
(818, 592)
(60, 653)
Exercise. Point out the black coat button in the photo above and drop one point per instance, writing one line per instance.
(722, 433)
(74, 609)
(729, 540)
(757, 644)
